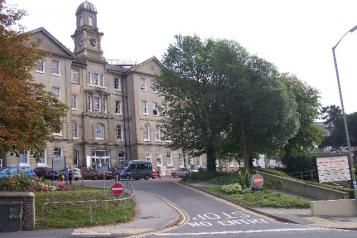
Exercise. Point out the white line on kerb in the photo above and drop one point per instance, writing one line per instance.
(236, 232)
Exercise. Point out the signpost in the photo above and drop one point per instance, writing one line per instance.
(117, 189)
(258, 180)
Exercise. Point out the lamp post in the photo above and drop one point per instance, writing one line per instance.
(350, 161)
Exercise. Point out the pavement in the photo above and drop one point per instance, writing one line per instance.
(299, 216)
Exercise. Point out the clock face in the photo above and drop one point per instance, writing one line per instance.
(93, 41)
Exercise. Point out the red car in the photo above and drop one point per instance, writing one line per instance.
(154, 174)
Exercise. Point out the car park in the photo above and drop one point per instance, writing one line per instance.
(15, 171)
(46, 173)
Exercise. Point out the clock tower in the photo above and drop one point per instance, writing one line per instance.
(87, 38)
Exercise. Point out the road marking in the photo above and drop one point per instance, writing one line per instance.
(236, 232)
(227, 202)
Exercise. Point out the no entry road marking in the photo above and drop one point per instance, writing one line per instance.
(237, 232)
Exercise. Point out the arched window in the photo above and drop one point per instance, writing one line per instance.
(146, 132)
(157, 133)
(90, 21)
(99, 131)
(119, 133)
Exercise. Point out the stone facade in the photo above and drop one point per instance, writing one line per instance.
(113, 110)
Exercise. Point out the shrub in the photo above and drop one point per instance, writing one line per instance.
(303, 162)
(20, 183)
(232, 188)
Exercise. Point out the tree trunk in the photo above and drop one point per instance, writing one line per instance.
(246, 152)
(211, 158)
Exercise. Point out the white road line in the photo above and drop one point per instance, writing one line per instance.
(237, 232)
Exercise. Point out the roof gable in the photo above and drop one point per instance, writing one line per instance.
(150, 66)
(49, 43)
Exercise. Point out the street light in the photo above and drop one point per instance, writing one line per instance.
(350, 161)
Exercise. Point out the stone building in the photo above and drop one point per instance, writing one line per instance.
(113, 110)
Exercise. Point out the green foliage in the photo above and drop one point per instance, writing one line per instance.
(21, 183)
(69, 214)
(299, 163)
(274, 172)
(264, 198)
(232, 188)
(202, 176)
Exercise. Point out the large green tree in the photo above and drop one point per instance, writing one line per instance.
(28, 114)
(220, 99)
(309, 134)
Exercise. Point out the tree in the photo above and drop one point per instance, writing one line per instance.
(220, 99)
(28, 114)
(309, 135)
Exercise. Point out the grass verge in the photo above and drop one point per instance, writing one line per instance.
(69, 213)
(263, 198)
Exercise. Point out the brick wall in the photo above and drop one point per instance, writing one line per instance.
(28, 206)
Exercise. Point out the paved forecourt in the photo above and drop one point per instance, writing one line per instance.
(209, 216)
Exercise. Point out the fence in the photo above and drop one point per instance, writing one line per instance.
(85, 213)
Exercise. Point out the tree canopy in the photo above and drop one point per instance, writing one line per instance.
(220, 99)
(28, 114)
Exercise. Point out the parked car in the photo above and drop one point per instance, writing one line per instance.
(46, 173)
(15, 171)
(182, 172)
(92, 174)
(137, 169)
(154, 174)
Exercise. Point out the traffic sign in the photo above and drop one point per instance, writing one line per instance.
(117, 189)
(258, 180)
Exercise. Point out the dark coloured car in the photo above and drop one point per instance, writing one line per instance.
(137, 169)
(15, 171)
(46, 173)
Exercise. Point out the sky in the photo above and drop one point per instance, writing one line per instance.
(297, 36)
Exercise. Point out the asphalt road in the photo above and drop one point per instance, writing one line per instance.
(210, 217)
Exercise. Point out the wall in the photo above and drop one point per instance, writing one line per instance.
(304, 189)
(28, 206)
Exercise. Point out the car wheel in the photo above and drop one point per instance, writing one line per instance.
(128, 177)
(146, 177)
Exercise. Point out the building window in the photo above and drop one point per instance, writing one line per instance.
(169, 159)
(57, 152)
(118, 107)
(157, 133)
(121, 157)
(117, 84)
(231, 164)
(100, 159)
(155, 109)
(145, 108)
(143, 84)
(75, 76)
(74, 130)
(55, 67)
(81, 21)
(42, 160)
(148, 156)
(75, 158)
(96, 79)
(90, 21)
(89, 103)
(24, 158)
(56, 92)
(40, 66)
(146, 132)
(74, 102)
(154, 87)
(181, 162)
(158, 159)
(96, 103)
(119, 133)
(99, 131)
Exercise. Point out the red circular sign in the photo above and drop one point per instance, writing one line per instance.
(258, 180)
(117, 189)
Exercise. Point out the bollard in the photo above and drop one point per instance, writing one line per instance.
(90, 213)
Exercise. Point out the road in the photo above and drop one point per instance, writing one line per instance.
(213, 217)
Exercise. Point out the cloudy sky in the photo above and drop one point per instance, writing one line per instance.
(295, 35)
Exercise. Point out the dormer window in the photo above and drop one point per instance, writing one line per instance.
(90, 21)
